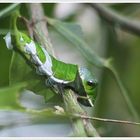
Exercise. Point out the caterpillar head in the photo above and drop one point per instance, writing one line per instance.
(89, 84)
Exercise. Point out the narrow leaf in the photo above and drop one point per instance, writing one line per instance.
(7, 11)
(73, 33)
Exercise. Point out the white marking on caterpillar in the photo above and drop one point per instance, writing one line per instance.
(59, 80)
(36, 60)
(48, 62)
(30, 48)
(47, 66)
(43, 69)
(8, 41)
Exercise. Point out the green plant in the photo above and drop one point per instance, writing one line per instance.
(23, 76)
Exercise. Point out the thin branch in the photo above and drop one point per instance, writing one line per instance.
(116, 19)
(108, 120)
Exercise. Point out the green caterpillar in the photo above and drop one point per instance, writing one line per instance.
(59, 75)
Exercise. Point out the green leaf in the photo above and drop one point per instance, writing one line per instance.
(73, 33)
(9, 97)
(20, 71)
(73, 27)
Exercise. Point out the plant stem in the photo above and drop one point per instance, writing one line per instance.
(82, 127)
(40, 26)
(114, 18)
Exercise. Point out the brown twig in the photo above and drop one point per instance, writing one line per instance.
(28, 25)
(108, 120)
(40, 26)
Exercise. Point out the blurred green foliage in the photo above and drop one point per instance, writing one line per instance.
(9, 97)
(123, 47)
